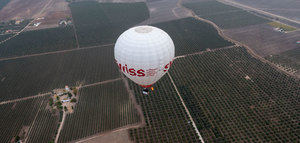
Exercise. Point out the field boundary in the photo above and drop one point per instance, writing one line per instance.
(31, 126)
(202, 52)
(76, 37)
(239, 5)
(24, 98)
(186, 109)
(101, 82)
(129, 126)
(48, 93)
(56, 52)
(133, 99)
(75, 33)
(61, 125)
(19, 32)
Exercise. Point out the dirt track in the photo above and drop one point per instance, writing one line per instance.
(101, 82)
(16, 34)
(118, 136)
(201, 52)
(186, 110)
(28, 134)
(55, 52)
(25, 98)
(108, 133)
(257, 10)
(60, 126)
(132, 98)
(164, 10)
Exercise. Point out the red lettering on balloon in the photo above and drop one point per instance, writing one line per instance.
(167, 66)
(126, 68)
(120, 66)
(141, 72)
(123, 69)
(151, 72)
(132, 72)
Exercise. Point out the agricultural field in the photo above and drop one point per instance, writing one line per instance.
(45, 126)
(166, 119)
(28, 119)
(3, 3)
(29, 76)
(4, 36)
(285, 8)
(225, 16)
(209, 7)
(234, 97)
(11, 26)
(283, 26)
(264, 40)
(100, 108)
(289, 59)
(190, 35)
(33, 42)
(164, 10)
(53, 10)
(102, 23)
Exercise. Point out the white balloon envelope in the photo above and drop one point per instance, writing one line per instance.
(144, 54)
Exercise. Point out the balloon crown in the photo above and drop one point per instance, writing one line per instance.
(143, 29)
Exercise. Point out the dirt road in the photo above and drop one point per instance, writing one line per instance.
(257, 10)
(186, 110)
(132, 98)
(60, 126)
(48, 93)
(55, 52)
(25, 98)
(101, 82)
(22, 30)
(17, 33)
(197, 53)
(87, 139)
(28, 134)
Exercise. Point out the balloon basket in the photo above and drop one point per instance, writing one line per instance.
(145, 91)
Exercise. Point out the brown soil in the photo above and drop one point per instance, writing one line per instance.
(114, 137)
(264, 40)
(21, 9)
(52, 11)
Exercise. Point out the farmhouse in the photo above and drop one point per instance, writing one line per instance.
(18, 21)
(65, 100)
(37, 24)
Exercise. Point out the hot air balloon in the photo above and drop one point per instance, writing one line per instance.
(144, 54)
